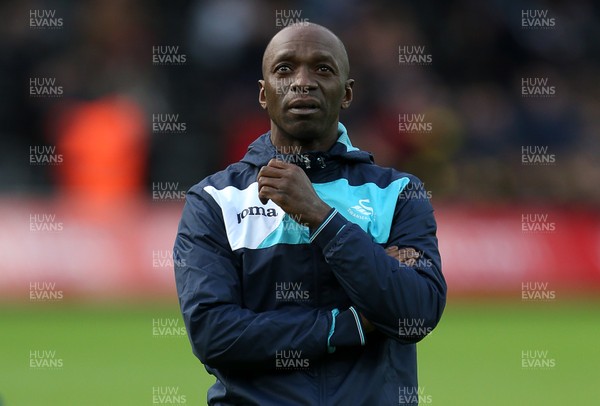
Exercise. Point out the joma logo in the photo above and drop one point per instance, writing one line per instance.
(256, 211)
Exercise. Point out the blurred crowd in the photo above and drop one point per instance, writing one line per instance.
(108, 57)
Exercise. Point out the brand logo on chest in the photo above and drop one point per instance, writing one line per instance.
(256, 211)
(362, 210)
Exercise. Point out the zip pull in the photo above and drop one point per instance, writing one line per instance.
(306, 160)
(321, 162)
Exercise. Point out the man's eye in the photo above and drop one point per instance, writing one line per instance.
(283, 69)
(324, 69)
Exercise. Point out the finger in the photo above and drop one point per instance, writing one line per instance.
(275, 183)
(279, 163)
(392, 253)
(402, 254)
(266, 192)
(269, 172)
(412, 253)
(262, 182)
(408, 252)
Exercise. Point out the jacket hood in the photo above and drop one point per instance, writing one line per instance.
(261, 151)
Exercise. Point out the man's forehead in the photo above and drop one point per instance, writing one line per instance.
(306, 35)
(301, 41)
(313, 48)
(307, 32)
(310, 40)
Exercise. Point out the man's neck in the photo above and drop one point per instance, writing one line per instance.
(282, 140)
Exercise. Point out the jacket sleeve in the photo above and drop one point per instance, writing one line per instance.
(403, 302)
(223, 333)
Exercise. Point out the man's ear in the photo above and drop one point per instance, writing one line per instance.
(348, 93)
(262, 96)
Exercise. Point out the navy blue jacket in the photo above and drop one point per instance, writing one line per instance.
(272, 309)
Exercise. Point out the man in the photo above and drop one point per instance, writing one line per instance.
(305, 274)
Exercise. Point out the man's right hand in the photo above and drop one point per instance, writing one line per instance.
(408, 257)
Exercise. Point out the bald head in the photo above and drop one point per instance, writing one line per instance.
(305, 85)
(309, 33)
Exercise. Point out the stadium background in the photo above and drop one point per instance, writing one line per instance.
(111, 110)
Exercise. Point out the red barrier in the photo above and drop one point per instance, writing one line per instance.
(124, 250)
(498, 250)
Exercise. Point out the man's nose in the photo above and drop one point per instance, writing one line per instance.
(303, 81)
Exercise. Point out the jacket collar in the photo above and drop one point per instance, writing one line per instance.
(261, 151)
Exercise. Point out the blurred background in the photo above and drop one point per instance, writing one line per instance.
(112, 110)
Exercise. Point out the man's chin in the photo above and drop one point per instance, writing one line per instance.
(304, 129)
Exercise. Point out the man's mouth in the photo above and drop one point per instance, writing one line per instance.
(303, 106)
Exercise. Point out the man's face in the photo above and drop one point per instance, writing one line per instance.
(305, 83)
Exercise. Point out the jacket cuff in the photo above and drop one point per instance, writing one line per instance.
(348, 330)
(331, 226)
